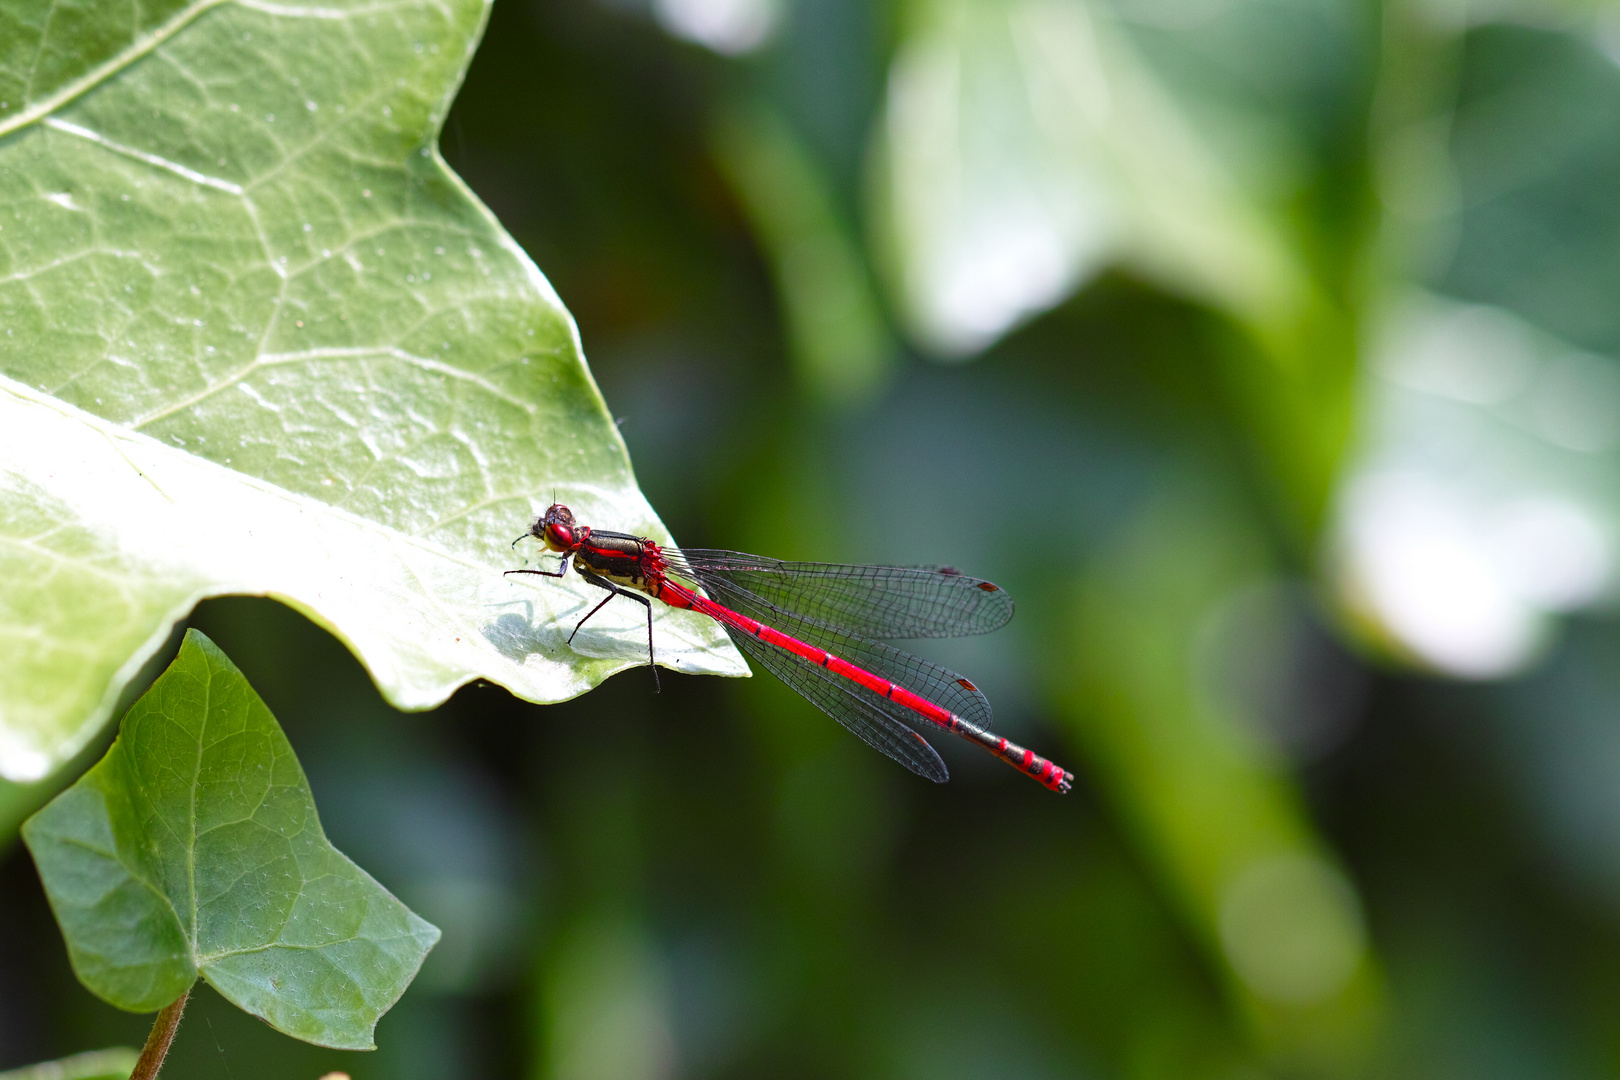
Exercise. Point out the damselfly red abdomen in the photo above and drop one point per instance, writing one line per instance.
(820, 628)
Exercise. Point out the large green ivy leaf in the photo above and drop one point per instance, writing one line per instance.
(257, 338)
(193, 848)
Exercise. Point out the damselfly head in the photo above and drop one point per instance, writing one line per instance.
(556, 528)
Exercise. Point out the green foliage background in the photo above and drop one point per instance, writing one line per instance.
(1298, 849)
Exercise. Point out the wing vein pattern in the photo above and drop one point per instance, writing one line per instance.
(877, 721)
(882, 602)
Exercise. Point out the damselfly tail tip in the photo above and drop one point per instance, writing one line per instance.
(1052, 775)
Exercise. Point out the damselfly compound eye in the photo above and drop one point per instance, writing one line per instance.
(559, 537)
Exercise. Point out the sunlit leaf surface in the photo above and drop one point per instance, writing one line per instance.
(193, 848)
(258, 338)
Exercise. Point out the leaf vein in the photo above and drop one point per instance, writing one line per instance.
(104, 70)
(154, 160)
(355, 352)
(322, 137)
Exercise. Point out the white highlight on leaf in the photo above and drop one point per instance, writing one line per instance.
(1424, 563)
(1551, 551)
(20, 761)
(1483, 502)
(730, 27)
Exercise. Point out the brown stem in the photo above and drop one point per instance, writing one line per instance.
(157, 1043)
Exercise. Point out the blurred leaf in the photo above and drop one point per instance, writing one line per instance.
(1484, 495)
(1481, 499)
(1028, 145)
(1559, 750)
(194, 847)
(114, 1064)
(1536, 147)
(1025, 147)
(258, 338)
(608, 1006)
(839, 341)
(1206, 793)
(1267, 84)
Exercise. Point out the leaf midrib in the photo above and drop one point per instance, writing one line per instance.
(191, 809)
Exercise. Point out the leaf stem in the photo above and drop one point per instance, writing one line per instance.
(157, 1043)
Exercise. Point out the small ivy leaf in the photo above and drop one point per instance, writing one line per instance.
(194, 848)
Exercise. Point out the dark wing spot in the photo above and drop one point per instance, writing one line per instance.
(987, 587)
(948, 571)
(970, 686)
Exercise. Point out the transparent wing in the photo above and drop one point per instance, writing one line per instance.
(881, 602)
(859, 710)
(928, 680)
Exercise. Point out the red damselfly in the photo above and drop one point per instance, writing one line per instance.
(821, 628)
